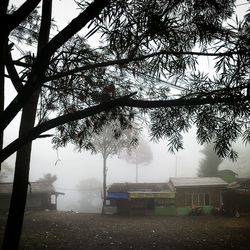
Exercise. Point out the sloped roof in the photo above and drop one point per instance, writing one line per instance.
(139, 187)
(34, 187)
(197, 181)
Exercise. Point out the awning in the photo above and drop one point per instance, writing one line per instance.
(117, 195)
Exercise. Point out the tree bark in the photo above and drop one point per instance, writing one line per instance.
(21, 177)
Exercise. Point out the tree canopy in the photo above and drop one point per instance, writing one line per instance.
(141, 154)
(49, 178)
(145, 42)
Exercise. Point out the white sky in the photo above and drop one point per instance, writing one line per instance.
(74, 166)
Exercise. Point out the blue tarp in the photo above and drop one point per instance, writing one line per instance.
(115, 195)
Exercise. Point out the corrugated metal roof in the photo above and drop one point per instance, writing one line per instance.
(34, 187)
(142, 187)
(197, 181)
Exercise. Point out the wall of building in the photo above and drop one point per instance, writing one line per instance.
(214, 194)
(34, 201)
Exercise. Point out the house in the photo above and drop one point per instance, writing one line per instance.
(41, 195)
(203, 193)
(139, 198)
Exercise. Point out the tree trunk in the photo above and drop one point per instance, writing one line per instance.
(104, 187)
(1, 90)
(21, 177)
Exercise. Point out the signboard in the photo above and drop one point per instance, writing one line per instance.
(160, 195)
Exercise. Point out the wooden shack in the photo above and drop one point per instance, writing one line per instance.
(41, 195)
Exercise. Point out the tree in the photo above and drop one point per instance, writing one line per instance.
(90, 190)
(141, 154)
(210, 164)
(144, 39)
(49, 178)
(110, 139)
(19, 193)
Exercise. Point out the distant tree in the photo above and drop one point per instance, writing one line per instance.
(108, 141)
(49, 178)
(209, 165)
(90, 190)
(139, 155)
(6, 173)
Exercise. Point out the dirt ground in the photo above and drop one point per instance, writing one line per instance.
(66, 230)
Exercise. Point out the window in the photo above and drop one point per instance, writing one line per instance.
(197, 199)
(201, 199)
(53, 199)
(207, 199)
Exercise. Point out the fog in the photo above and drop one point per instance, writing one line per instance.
(71, 166)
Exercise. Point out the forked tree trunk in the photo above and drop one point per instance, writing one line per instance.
(21, 177)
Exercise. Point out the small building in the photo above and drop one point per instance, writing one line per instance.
(197, 193)
(139, 198)
(41, 195)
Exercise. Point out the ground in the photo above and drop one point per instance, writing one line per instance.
(69, 230)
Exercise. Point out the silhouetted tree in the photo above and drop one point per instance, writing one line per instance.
(110, 139)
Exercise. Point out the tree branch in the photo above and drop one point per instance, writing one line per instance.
(122, 102)
(39, 129)
(135, 59)
(21, 13)
(181, 102)
(91, 12)
(15, 79)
